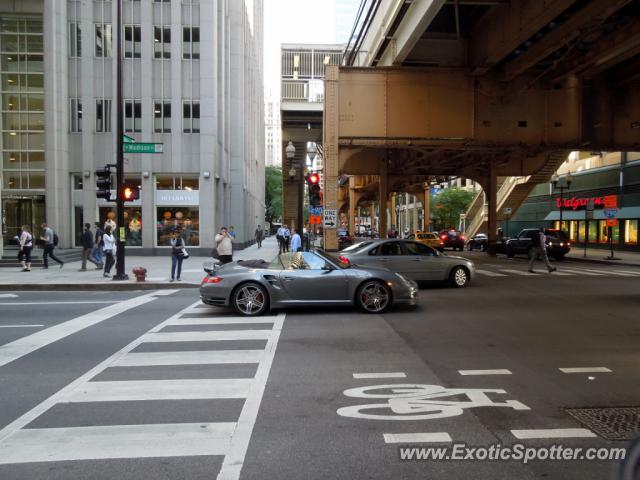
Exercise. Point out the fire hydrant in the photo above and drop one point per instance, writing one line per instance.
(140, 273)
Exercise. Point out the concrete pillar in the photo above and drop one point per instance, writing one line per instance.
(491, 189)
(372, 215)
(383, 194)
(391, 205)
(331, 158)
(426, 220)
(414, 222)
(352, 205)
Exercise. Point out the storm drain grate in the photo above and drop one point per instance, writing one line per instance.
(614, 423)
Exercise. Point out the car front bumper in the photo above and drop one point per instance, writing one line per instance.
(407, 296)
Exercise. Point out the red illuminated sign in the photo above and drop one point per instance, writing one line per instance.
(574, 203)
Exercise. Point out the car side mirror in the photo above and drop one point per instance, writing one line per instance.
(327, 267)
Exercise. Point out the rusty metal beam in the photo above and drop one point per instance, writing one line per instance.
(505, 27)
(581, 23)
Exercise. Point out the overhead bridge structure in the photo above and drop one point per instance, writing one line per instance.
(488, 90)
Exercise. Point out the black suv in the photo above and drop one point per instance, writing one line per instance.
(451, 239)
(557, 243)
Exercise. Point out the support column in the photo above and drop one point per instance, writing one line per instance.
(352, 205)
(383, 194)
(372, 215)
(491, 189)
(414, 213)
(391, 205)
(331, 157)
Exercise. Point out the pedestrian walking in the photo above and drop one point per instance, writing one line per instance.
(280, 238)
(224, 244)
(177, 254)
(109, 250)
(86, 240)
(26, 245)
(540, 248)
(259, 235)
(232, 233)
(296, 242)
(287, 238)
(98, 244)
(49, 239)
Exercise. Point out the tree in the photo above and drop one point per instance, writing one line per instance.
(447, 206)
(273, 193)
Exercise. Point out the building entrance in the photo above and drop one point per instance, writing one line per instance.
(18, 211)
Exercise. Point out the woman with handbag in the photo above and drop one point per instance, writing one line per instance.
(109, 249)
(26, 244)
(178, 253)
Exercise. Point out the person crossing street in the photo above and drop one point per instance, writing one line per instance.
(540, 249)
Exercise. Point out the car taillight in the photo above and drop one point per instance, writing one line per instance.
(344, 259)
(462, 237)
(568, 244)
(443, 237)
(209, 279)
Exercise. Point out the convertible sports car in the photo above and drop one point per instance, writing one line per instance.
(253, 287)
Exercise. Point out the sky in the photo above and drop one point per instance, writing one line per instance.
(295, 21)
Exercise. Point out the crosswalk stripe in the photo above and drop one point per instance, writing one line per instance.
(518, 272)
(119, 441)
(213, 357)
(613, 272)
(553, 433)
(207, 336)
(429, 437)
(180, 389)
(489, 273)
(220, 321)
(582, 272)
(560, 273)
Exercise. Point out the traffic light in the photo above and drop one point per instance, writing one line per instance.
(129, 192)
(315, 198)
(103, 183)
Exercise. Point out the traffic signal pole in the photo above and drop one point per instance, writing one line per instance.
(120, 229)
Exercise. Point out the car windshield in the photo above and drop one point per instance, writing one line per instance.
(342, 263)
(357, 247)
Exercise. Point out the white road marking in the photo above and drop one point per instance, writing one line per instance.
(119, 441)
(518, 272)
(380, 375)
(499, 371)
(159, 390)
(613, 272)
(8, 295)
(149, 359)
(435, 437)
(489, 273)
(553, 433)
(221, 321)
(207, 336)
(582, 272)
(90, 302)
(585, 370)
(562, 273)
(234, 460)
(632, 272)
(25, 345)
(20, 326)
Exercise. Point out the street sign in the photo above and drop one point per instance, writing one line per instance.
(128, 139)
(612, 222)
(610, 212)
(610, 201)
(506, 211)
(315, 219)
(315, 210)
(143, 147)
(330, 218)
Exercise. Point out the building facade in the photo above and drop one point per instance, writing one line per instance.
(273, 134)
(192, 81)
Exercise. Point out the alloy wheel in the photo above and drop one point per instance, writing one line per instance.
(374, 297)
(250, 300)
(460, 277)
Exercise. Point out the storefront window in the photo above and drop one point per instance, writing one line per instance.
(604, 232)
(593, 231)
(631, 232)
(573, 231)
(186, 219)
(581, 231)
(164, 183)
(132, 223)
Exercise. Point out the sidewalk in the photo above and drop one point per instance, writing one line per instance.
(158, 273)
(597, 255)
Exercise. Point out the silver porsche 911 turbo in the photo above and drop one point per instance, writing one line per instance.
(253, 287)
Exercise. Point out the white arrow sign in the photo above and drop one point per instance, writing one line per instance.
(330, 218)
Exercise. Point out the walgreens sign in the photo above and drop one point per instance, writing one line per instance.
(575, 203)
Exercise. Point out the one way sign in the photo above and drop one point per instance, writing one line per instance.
(330, 216)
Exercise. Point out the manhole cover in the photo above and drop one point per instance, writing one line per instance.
(615, 423)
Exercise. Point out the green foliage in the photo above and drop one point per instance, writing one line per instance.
(447, 206)
(273, 193)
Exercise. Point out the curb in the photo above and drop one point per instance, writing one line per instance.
(601, 262)
(108, 287)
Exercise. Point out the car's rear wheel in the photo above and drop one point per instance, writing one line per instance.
(459, 277)
(373, 297)
(250, 300)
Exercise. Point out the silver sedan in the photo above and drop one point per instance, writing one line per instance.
(252, 287)
(412, 260)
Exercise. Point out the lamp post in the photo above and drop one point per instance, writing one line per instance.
(290, 152)
(561, 183)
(312, 150)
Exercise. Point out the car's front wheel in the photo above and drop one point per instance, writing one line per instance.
(373, 297)
(459, 277)
(250, 300)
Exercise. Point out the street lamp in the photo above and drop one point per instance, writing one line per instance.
(561, 183)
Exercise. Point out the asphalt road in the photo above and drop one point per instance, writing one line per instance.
(156, 386)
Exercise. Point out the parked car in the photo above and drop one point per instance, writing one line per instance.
(452, 239)
(344, 239)
(253, 287)
(413, 260)
(430, 239)
(558, 244)
(479, 241)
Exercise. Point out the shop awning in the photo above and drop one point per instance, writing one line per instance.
(625, 212)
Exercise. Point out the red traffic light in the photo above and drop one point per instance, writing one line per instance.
(314, 179)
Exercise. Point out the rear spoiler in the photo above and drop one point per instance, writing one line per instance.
(210, 267)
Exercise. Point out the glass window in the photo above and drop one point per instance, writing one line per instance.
(191, 42)
(103, 115)
(162, 117)
(593, 231)
(189, 183)
(75, 40)
(391, 248)
(75, 109)
(164, 183)
(573, 230)
(132, 223)
(604, 232)
(77, 181)
(581, 231)
(631, 232)
(103, 40)
(132, 41)
(162, 42)
(414, 248)
(184, 218)
(132, 116)
(191, 117)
